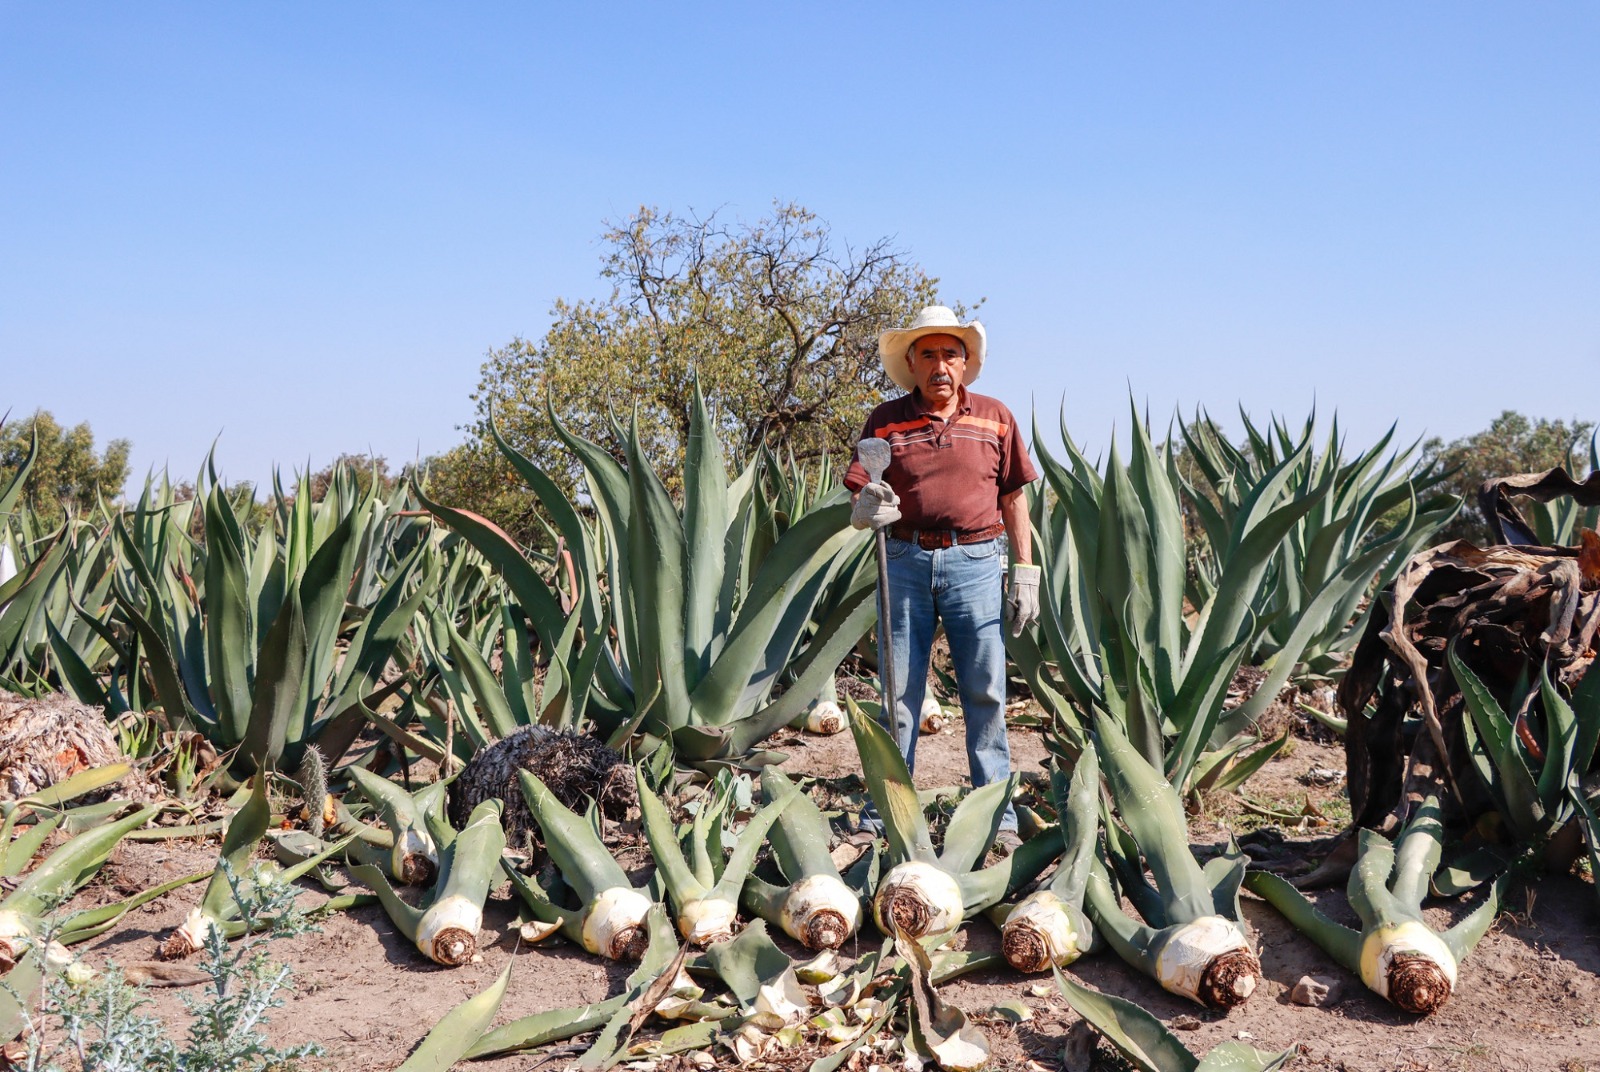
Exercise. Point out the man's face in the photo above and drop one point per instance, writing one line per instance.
(938, 362)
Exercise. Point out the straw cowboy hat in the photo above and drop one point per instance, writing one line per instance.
(934, 320)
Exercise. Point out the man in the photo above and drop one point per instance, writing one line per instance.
(954, 486)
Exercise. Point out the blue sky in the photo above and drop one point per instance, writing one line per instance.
(301, 226)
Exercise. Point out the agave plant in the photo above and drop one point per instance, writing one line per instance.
(927, 891)
(1192, 939)
(1113, 622)
(1398, 956)
(609, 918)
(246, 640)
(705, 892)
(54, 880)
(445, 926)
(817, 908)
(710, 604)
(1049, 927)
(1379, 511)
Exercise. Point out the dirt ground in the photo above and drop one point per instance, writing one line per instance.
(1528, 998)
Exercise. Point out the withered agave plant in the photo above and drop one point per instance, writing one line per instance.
(1490, 648)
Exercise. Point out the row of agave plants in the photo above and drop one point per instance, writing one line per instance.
(687, 632)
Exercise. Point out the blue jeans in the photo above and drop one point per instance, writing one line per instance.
(960, 586)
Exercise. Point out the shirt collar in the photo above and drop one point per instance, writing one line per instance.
(963, 400)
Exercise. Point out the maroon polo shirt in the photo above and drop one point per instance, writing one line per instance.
(949, 474)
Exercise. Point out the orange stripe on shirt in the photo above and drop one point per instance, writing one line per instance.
(996, 427)
(903, 426)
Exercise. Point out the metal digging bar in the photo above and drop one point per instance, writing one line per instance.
(874, 455)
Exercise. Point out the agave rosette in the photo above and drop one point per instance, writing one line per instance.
(1192, 939)
(411, 856)
(928, 892)
(1049, 927)
(1398, 956)
(609, 916)
(445, 925)
(817, 907)
(704, 890)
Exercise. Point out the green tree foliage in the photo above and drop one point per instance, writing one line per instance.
(369, 469)
(1511, 444)
(778, 319)
(69, 471)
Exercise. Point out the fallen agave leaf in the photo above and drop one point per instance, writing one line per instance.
(955, 1043)
(750, 1043)
(842, 991)
(1039, 990)
(819, 969)
(1011, 1011)
(780, 1003)
(681, 998)
(536, 931)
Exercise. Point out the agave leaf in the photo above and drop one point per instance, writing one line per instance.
(459, 1029)
(277, 703)
(1132, 1032)
(706, 516)
(1341, 943)
(230, 634)
(889, 782)
(1515, 782)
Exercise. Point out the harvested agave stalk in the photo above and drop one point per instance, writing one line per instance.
(707, 902)
(610, 917)
(446, 929)
(817, 908)
(932, 718)
(218, 910)
(1049, 927)
(1192, 941)
(57, 877)
(1397, 955)
(412, 858)
(927, 892)
(824, 716)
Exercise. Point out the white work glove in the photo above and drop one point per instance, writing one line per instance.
(876, 507)
(1022, 597)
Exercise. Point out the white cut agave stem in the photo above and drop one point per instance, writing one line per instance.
(190, 937)
(707, 910)
(707, 919)
(612, 921)
(819, 909)
(448, 930)
(917, 899)
(1042, 931)
(415, 856)
(614, 924)
(824, 718)
(1049, 927)
(932, 717)
(1410, 965)
(1208, 960)
(820, 912)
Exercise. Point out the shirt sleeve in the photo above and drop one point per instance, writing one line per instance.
(1016, 468)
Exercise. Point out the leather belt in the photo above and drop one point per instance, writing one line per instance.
(936, 539)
